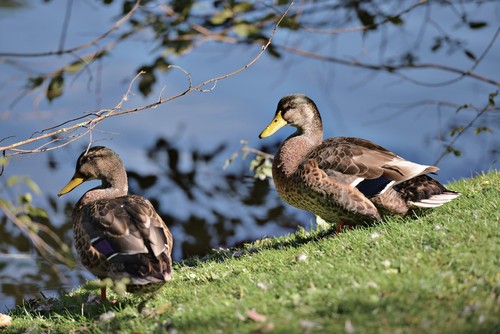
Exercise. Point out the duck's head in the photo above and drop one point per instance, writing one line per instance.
(296, 110)
(96, 163)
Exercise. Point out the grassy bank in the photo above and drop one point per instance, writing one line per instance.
(437, 273)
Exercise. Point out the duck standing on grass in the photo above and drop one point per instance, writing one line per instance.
(118, 235)
(345, 180)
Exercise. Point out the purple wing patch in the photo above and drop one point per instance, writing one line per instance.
(103, 246)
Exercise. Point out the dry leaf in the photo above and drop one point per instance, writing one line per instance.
(255, 316)
(5, 320)
(159, 310)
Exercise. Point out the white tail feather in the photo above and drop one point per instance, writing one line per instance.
(436, 200)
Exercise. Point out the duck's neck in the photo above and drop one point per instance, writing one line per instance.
(294, 150)
(112, 187)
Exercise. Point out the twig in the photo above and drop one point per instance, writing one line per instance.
(365, 27)
(99, 116)
(69, 8)
(392, 69)
(263, 154)
(125, 96)
(462, 131)
(76, 48)
(43, 247)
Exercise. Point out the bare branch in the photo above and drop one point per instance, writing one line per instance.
(263, 154)
(480, 113)
(76, 48)
(96, 117)
(62, 40)
(365, 27)
(125, 96)
(394, 69)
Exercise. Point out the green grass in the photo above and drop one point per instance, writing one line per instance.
(437, 273)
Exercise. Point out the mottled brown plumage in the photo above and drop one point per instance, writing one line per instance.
(118, 235)
(342, 178)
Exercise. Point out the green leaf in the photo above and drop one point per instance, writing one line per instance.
(262, 167)
(243, 7)
(396, 20)
(221, 17)
(35, 212)
(245, 29)
(32, 185)
(491, 99)
(161, 64)
(470, 55)
(13, 180)
(477, 25)
(480, 129)
(26, 180)
(456, 130)
(146, 82)
(74, 67)
(3, 162)
(290, 23)
(25, 199)
(367, 19)
(273, 52)
(55, 87)
(34, 83)
(438, 42)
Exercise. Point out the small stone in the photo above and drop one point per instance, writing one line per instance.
(301, 257)
(349, 328)
(262, 286)
(107, 316)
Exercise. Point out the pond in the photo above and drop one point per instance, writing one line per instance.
(175, 154)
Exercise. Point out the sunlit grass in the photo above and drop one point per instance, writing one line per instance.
(436, 273)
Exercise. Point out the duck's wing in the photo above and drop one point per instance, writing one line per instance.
(132, 238)
(330, 190)
(365, 165)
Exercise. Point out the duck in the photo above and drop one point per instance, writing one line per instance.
(345, 180)
(118, 235)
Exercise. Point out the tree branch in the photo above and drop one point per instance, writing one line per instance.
(393, 69)
(96, 117)
(365, 27)
(76, 48)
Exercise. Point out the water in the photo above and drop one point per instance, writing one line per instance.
(207, 206)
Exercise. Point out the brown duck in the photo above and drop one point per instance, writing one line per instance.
(118, 235)
(345, 180)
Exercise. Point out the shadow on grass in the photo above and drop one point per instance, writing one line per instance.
(296, 239)
(84, 305)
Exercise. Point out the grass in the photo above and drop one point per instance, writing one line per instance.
(437, 273)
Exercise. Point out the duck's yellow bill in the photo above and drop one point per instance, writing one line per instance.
(277, 123)
(72, 184)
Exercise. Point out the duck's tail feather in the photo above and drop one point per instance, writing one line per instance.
(435, 200)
